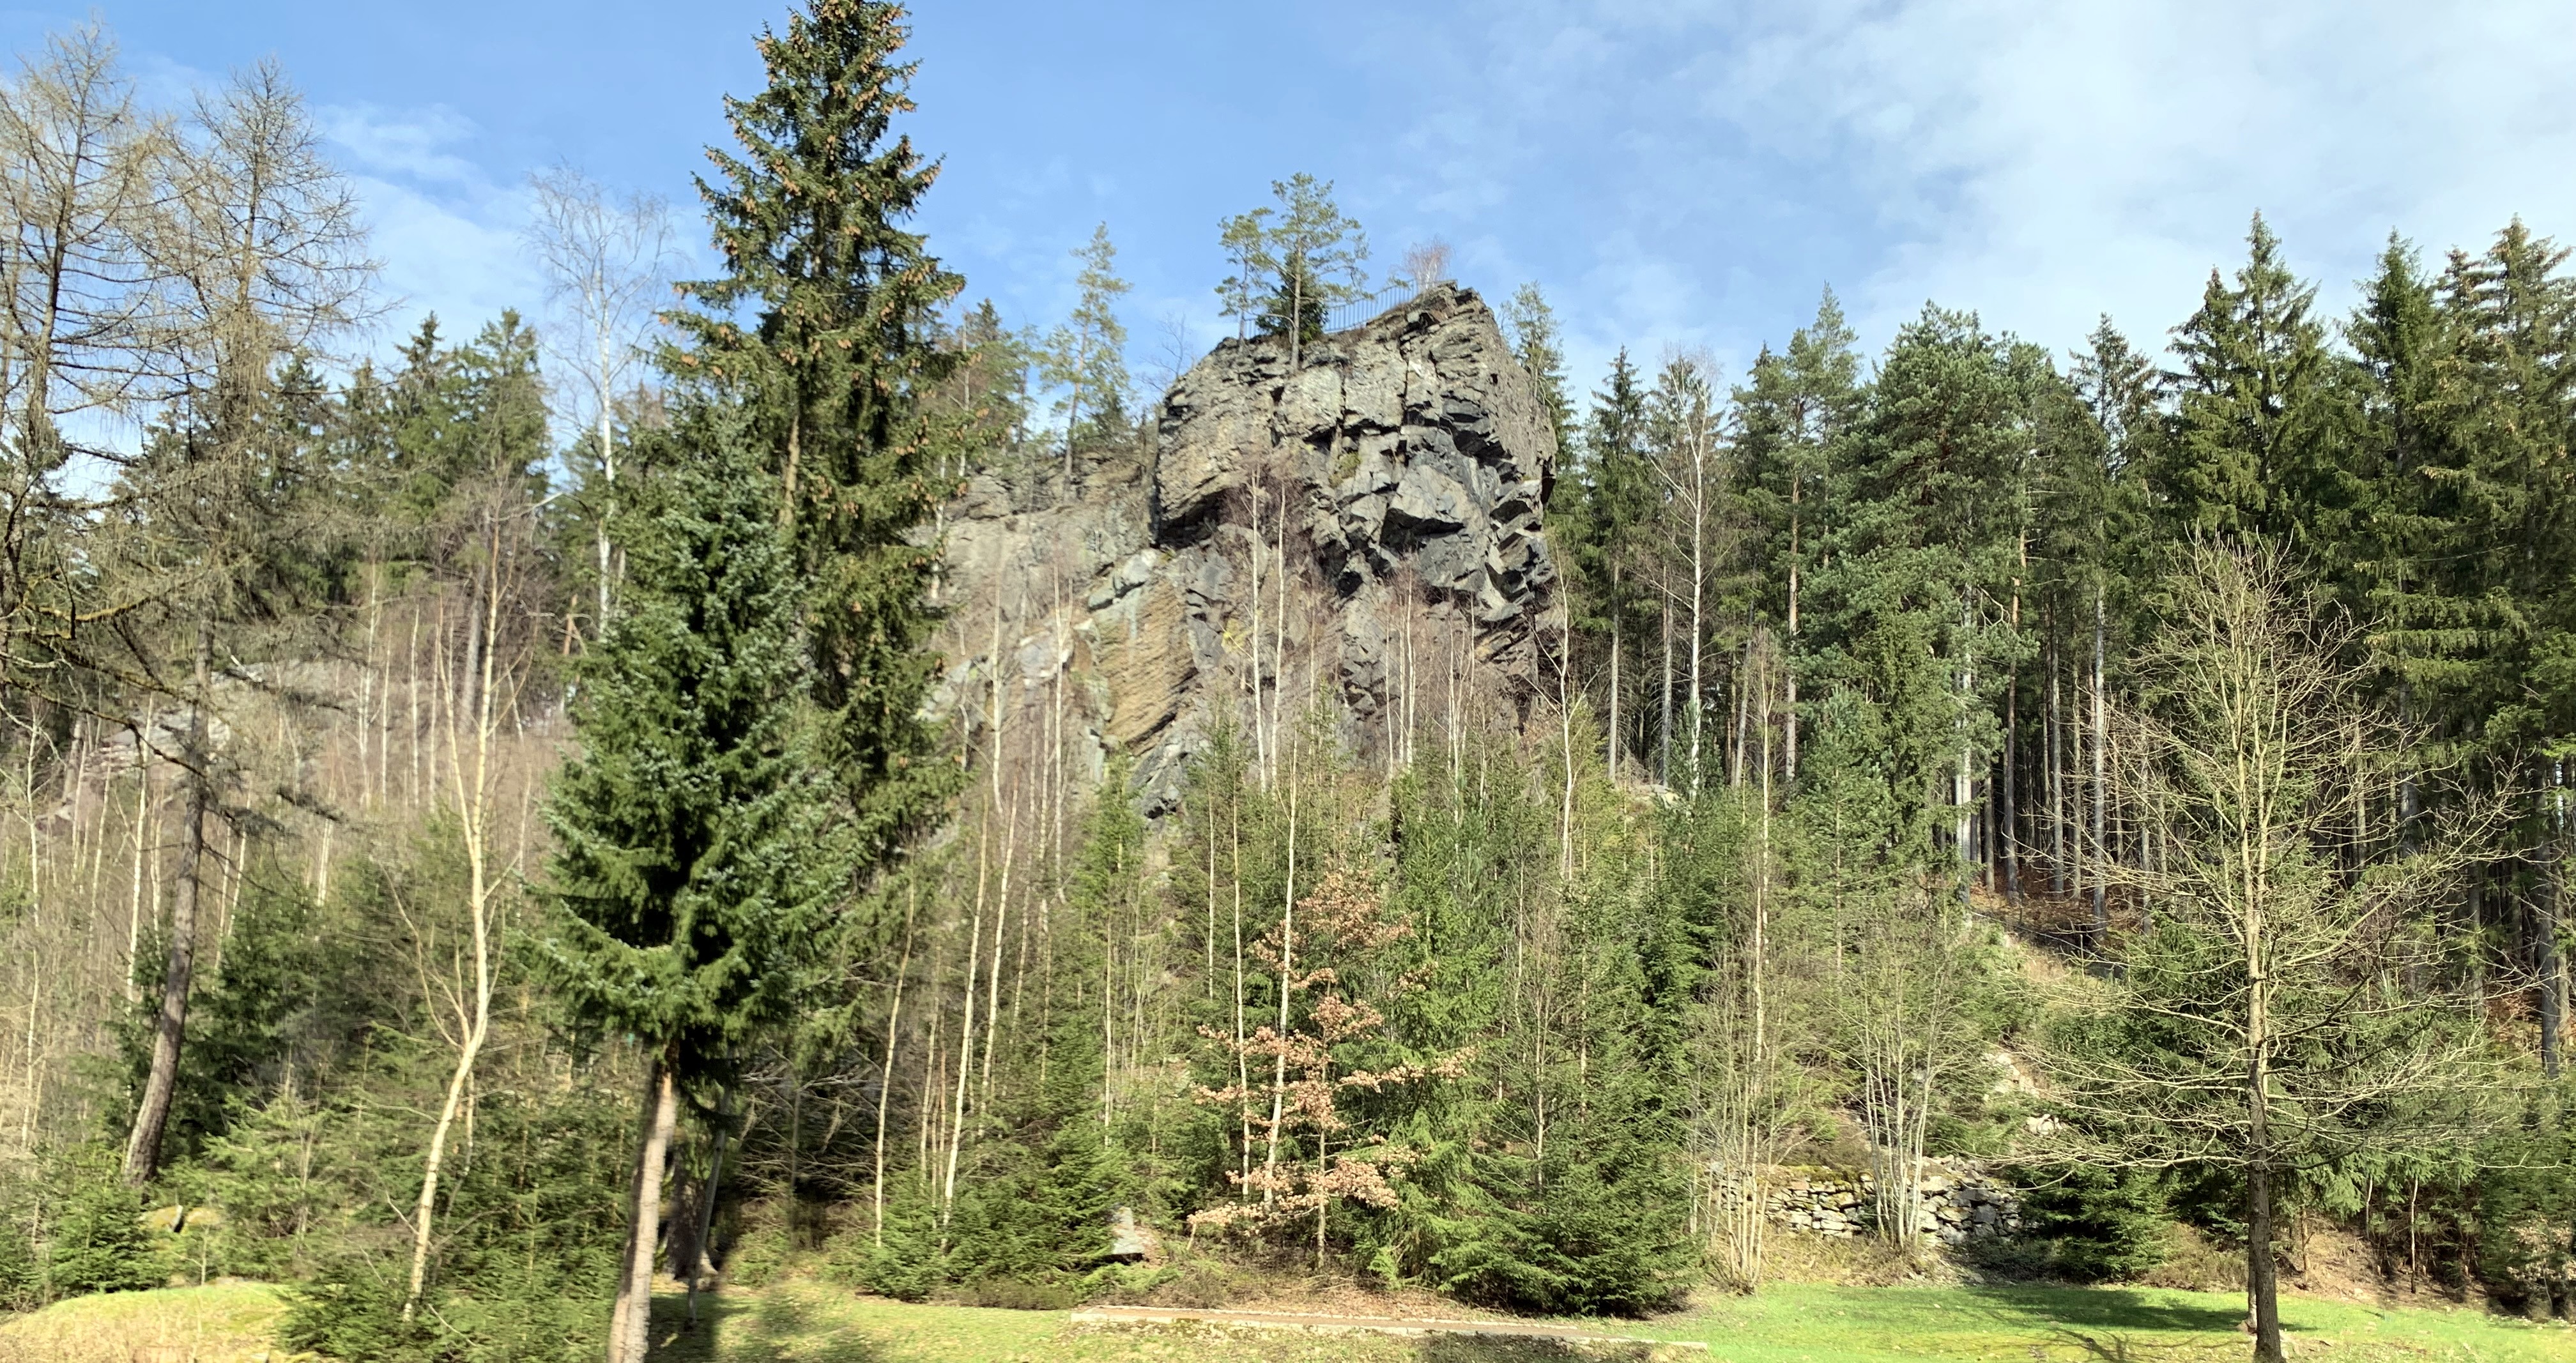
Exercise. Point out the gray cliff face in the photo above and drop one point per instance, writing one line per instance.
(1411, 457)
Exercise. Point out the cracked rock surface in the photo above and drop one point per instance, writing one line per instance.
(1396, 471)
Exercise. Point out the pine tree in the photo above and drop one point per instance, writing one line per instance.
(1540, 347)
(697, 852)
(1597, 528)
(1087, 356)
(2258, 422)
(1922, 545)
(1294, 263)
(1790, 415)
(844, 300)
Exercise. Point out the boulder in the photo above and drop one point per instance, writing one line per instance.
(1131, 1241)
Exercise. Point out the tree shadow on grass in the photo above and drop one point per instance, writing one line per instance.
(1505, 1349)
(753, 1330)
(2081, 1312)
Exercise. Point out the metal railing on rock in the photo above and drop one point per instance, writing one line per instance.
(1358, 311)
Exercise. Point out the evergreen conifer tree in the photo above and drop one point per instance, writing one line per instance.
(2258, 422)
(1796, 406)
(1598, 528)
(842, 303)
(1087, 355)
(696, 853)
(1540, 347)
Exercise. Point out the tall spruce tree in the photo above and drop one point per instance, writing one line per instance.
(824, 321)
(1792, 411)
(1539, 344)
(1597, 528)
(2258, 421)
(697, 852)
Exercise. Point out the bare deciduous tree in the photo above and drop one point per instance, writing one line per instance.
(605, 260)
(257, 254)
(2285, 1010)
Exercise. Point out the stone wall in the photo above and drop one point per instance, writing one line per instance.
(1959, 1204)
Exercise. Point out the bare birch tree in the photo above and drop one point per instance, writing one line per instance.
(605, 260)
(499, 642)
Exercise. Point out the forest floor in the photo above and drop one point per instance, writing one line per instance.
(800, 1321)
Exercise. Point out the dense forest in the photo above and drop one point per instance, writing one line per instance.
(494, 825)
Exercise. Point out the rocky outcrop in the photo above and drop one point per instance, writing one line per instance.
(1361, 527)
(1957, 1204)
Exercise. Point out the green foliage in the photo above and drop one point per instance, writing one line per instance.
(1539, 344)
(2258, 428)
(1087, 355)
(831, 374)
(98, 1242)
(2090, 1224)
(1293, 262)
(272, 975)
(526, 1259)
(22, 1268)
(695, 857)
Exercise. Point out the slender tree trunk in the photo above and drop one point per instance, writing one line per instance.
(142, 827)
(1698, 627)
(1964, 788)
(1743, 715)
(631, 1332)
(1617, 737)
(152, 1114)
(1565, 733)
(2055, 758)
(2262, 1278)
(2011, 821)
(885, 1082)
(608, 476)
(2545, 902)
(2009, 825)
(474, 816)
(1287, 980)
(1242, 1061)
(2101, 742)
(698, 1258)
(1664, 742)
(1789, 670)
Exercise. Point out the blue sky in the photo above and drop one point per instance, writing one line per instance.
(1674, 174)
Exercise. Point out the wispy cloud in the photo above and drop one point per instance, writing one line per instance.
(448, 233)
(414, 144)
(1695, 172)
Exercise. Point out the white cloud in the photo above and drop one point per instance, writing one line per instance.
(2045, 162)
(1694, 172)
(412, 144)
(447, 233)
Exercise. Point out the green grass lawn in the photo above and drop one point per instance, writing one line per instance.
(1800, 1324)
(804, 1322)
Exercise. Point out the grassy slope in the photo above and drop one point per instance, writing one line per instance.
(808, 1323)
(221, 1323)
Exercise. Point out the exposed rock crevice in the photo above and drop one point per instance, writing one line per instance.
(1398, 474)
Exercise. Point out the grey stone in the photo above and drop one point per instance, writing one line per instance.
(1131, 1241)
(1408, 457)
